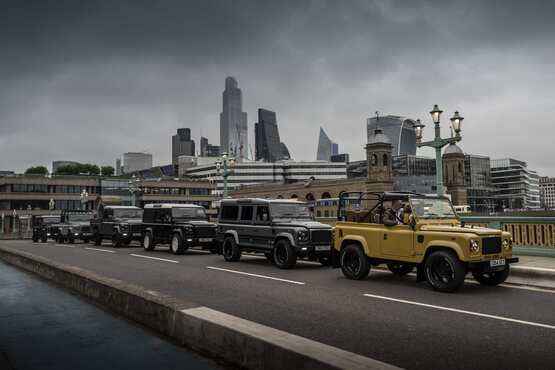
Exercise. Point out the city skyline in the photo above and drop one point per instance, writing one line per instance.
(92, 85)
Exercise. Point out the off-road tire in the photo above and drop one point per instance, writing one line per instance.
(35, 239)
(116, 240)
(230, 250)
(177, 244)
(60, 238)
(97, 238)
(444, 271)
(492, 278)
(284, 255)
(148, 241)
(354, 262)
(400, 269)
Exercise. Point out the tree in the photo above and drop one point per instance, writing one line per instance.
(79, 169)
(37, 170)
(107, 170)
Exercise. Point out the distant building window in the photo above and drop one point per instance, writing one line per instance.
(374, 160)
(385, 160)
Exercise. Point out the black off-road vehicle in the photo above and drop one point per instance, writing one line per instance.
(43, 227)
(120, 224)
(283, 230)
(180, 225)
(74, 225)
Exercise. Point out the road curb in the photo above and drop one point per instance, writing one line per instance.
(228, 338)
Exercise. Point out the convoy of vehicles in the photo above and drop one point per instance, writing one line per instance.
(283, 230)
(180, 225)
(404, 231)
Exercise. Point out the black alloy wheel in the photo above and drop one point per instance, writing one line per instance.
(284, 255)
(444, 271)
(354, 262)
(230, 250)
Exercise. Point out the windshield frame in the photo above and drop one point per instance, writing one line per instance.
(289, 215)
(433, 198)
(118, 213)
(86, 217)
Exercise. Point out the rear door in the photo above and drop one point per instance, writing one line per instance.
(264, 234)
(245, 228)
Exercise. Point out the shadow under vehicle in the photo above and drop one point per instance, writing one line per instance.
(44, 227)
(284, 230)
(428, 235)
(74, 225)
(182, 226)
(120, 224)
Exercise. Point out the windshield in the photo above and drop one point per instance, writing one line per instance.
(189, 213)
(432, 208)
(79, 217)
(50, 220)
(128, 213)
(289, 210)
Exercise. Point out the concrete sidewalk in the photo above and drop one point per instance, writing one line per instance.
(44, 327)
(534, 271)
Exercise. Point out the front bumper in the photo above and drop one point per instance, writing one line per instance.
(485, 266)
(317, 250)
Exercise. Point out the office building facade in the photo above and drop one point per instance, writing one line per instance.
(479, 188)
(207, 149)
(399, 130)
(136, 161)
(547, 192)
(326, 147)
(515, 185)
(182, 144)
(233, 121)
(412, 165)
(254, 173)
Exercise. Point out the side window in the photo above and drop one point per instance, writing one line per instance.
(246, 213)
(262, 214)
(148, 215)
(108, 213)
(166, 215)
(230, 213)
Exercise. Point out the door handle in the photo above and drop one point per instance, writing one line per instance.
(384, 236)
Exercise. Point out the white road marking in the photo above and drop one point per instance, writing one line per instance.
(153, 258)
(256, 275)
(100, 250)
(65, 245)
(502, 318)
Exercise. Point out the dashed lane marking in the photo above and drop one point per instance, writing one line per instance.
(256, 275)
(153, 258)
(494, 317)
(100, 250)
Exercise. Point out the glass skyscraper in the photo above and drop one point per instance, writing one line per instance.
(399, 130)
(326, 147)
(268, 145)
(233, 121)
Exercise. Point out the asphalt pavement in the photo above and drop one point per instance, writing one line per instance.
(44, 327)
(391, 319)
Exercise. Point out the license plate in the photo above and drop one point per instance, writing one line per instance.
(322, 248)
(495, 263)
(205, 240)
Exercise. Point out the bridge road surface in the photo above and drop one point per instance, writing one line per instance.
(45, 327)
(391, 319)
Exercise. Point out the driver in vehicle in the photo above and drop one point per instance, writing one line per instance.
(394, 215)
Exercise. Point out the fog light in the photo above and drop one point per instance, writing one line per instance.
(304, 249)
(76, 234)
(474, 247)
(189, 240)
(124, 234)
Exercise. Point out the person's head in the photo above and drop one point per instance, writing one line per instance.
(396, 204)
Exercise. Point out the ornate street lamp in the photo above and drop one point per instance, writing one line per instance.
(224, 167)
(438, 143)
(84, 198)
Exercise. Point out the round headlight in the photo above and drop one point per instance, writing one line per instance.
(302, 235)
(474, 247)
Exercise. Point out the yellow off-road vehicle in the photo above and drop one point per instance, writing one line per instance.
(427, 234)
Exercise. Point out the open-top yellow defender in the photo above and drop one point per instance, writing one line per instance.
(407, 230)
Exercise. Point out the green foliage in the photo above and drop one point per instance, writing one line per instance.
(37, 170)
(107, 170)
(79, 169)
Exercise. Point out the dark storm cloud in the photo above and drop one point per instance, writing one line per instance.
(88, 80)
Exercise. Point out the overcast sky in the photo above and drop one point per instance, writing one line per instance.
(89, 80)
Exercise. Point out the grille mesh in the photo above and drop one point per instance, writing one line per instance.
(491, 245)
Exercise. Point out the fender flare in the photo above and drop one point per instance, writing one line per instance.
(446, 245)
(232, 233)
(357, 239)
(287, 236)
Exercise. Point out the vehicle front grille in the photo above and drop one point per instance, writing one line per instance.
(321, 237)
(205, 232)
(86, 229)
(491, 245)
